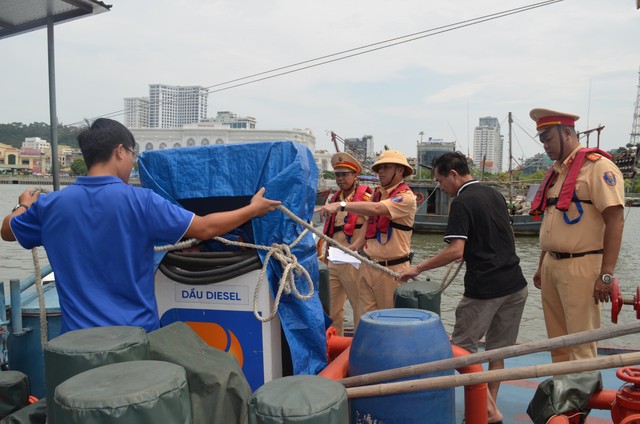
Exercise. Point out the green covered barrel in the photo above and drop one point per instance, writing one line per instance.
(141, 392)
(417, 294)
(14, 392)
(218, 389)
(299, 399)
(81, 350)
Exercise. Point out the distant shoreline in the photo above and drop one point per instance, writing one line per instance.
(45, 180)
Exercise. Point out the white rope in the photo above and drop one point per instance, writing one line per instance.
(43, 309)
(288, 261)
(178, 246)
(280, 252)
(445, 283)
(337, 245)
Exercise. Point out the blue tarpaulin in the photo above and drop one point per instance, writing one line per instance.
(227, 176)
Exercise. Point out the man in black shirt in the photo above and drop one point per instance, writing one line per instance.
(495, 290)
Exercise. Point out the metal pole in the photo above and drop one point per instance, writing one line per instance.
(510, 169)
(16, 308)
(53, 113)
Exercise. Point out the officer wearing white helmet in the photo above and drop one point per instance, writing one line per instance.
(387, 239)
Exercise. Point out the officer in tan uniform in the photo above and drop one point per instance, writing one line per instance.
(343, 227)
(387, 239)
(582, 203)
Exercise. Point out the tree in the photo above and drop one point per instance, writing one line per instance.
(78, 167)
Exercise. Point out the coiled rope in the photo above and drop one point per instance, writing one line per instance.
(281, 253)
(337, 245)
(289, 263)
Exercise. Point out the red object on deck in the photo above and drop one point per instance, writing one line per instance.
(336, 344)
(627, 402)
(475, 395)
(337, 369)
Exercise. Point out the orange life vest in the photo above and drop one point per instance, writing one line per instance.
(350, 224)
(381, 224)
(567, 191)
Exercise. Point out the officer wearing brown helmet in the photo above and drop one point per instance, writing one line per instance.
(343, 226)
(387, 239)
(581, 200)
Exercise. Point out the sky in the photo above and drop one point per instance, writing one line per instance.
(577, 56)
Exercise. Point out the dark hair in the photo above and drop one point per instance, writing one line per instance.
(451, 160)
(98, 141)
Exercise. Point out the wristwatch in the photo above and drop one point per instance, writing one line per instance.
(343, 205)
(606, 278)
(19, 205)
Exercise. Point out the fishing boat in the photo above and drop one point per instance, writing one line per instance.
(433, 205)
(432, 211)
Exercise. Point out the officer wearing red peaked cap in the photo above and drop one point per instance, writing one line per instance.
(582, 198)
(344, 161)
(547, 118)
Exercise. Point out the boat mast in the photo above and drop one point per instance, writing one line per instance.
(510, 169)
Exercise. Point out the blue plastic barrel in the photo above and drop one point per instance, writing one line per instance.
(392, 338)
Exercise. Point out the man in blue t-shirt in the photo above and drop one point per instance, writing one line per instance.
(99, 233)
(495, 290)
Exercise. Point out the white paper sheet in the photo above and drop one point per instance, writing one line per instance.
(337, 256)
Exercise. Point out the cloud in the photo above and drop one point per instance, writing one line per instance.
(580, 57)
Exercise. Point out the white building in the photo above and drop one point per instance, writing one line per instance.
(37, 143)
(226, 119)
(488, 145)
(203, 135)
(175, 106)
(136, 112)
(323, 160)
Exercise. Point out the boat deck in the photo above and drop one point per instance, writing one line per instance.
(514, 396)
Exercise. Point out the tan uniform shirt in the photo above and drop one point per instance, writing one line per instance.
(340, 236)
(402, 209)
(599, 181)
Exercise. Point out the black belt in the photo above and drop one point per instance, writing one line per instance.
(563, 255)
(341, 228)
(394, 261)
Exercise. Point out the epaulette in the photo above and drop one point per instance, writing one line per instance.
(593, 156)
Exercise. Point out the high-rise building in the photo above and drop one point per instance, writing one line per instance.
(167, 107)
(175, 106)
(488, 145)
(136, 112)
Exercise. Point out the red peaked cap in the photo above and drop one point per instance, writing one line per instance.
(345, 160)
(546, 118)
